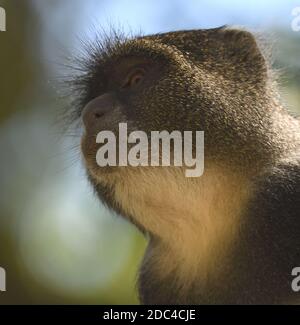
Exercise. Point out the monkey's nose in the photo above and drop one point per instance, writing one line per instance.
(96, 110)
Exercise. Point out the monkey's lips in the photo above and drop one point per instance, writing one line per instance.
(89, 149)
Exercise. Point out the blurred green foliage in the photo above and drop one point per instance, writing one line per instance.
(18, 70)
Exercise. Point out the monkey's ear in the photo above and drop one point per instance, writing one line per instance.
(239, 50)
(231, 52)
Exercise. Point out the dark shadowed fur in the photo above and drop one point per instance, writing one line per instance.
(258, 269)
(217, 81)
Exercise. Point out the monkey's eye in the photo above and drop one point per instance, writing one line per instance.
(134, 78)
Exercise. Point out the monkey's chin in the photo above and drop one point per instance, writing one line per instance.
(100, 173)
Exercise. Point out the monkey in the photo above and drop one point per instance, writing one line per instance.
(231, 236)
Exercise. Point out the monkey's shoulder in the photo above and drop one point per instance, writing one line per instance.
(273, 218)
(279, 190)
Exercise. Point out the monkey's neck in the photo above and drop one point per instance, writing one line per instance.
(192, 222)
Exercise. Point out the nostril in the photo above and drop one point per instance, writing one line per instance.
(96, 110)
(98, 114)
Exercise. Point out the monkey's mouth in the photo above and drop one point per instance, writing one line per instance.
(101, 159)
(89, 149)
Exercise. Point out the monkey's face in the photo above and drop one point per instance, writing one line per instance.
(201, 80)
(204, 80)
(143, 89)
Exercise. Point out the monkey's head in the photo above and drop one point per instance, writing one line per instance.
(213, 80)
(216, 81)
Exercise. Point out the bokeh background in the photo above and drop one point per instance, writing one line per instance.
(58, 244)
